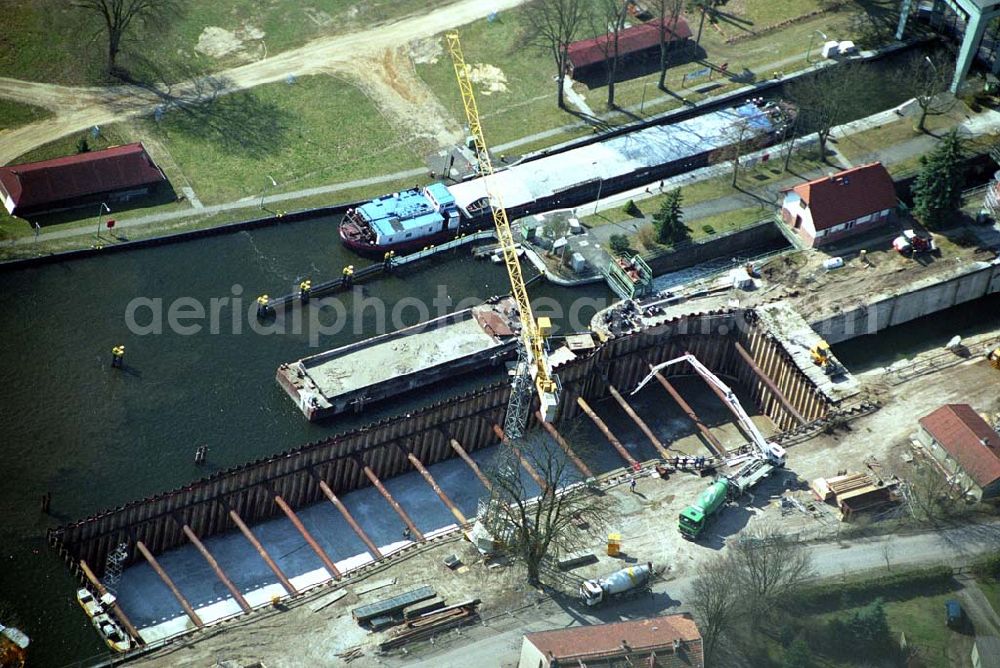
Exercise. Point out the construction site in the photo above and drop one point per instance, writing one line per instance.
(699, 404)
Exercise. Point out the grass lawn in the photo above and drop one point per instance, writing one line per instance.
(727, 221)
(991, 588)
(529, 103)
(318, 130)
(15, 114)
(921, 619)
(709, 189)
(12, 228)
(32, 27)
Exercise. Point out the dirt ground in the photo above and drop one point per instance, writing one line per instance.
(801, 276)
(391, 82)
(81, 108)
(646, 520)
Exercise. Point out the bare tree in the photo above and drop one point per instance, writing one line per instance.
(669, 11)
(767, 566)
(552, 25)
(926, 78)
(703, 7)
(830, 97)
(933, 495)
(610, 21)
(119, 16)
(563, 516)
(715, 602)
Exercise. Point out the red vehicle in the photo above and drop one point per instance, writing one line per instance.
(910, 243)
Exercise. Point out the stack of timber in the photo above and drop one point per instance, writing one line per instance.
(853, 492)
(381, 614)
(430, 624)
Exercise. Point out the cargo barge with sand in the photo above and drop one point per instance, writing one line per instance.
(352, 376)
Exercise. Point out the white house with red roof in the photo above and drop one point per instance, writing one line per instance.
(670, 641)
(966, 445)
(837, 206)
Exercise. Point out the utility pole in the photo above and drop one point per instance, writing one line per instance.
(791, 144)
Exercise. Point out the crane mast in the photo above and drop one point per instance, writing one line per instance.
(533, 359)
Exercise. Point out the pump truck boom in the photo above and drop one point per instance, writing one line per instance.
(765, 456)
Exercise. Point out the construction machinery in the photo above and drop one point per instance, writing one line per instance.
(749, 466)
(910, 243)
(620, 584)
(823, 357)
(534, 359)
(532, 363)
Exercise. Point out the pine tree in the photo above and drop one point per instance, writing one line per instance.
(937, 191)
(798, 655)
(669, 220)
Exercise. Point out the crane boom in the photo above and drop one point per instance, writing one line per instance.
(531, 333)
(764, 448)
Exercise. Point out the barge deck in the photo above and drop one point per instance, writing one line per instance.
(352, 376)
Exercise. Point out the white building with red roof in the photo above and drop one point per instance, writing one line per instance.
(966, 445)
(670, 641)
(837, 206)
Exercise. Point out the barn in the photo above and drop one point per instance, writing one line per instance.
(587, 57)
(116, 174)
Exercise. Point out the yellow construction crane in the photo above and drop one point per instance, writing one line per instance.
(534, 359)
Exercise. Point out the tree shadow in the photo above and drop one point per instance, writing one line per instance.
(210, 108)
(736, 21)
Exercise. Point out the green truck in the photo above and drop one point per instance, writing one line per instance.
(694, 517)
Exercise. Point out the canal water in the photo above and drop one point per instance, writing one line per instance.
(96, 437)
(891, 345)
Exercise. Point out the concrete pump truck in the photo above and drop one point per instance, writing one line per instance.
(749, 467)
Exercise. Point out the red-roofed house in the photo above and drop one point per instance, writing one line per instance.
(112, 175)
(671, 641)
(833, 207)
(966, 445)
(633, 41)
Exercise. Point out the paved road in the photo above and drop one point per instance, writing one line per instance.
(498, 641)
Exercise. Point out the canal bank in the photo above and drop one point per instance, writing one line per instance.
(94, 436)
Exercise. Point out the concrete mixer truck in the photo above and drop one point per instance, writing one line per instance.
(748, 467)
(620, 584)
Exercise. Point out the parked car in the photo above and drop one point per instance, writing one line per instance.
(954, 612)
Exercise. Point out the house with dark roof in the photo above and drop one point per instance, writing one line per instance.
(588, 56)
(670, 641)
(840, 205)
(966, 446)
(114, 174)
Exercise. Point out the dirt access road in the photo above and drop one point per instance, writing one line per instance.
(81, 108)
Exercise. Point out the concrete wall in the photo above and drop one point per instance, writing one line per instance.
(751, 240)
(882, 311)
